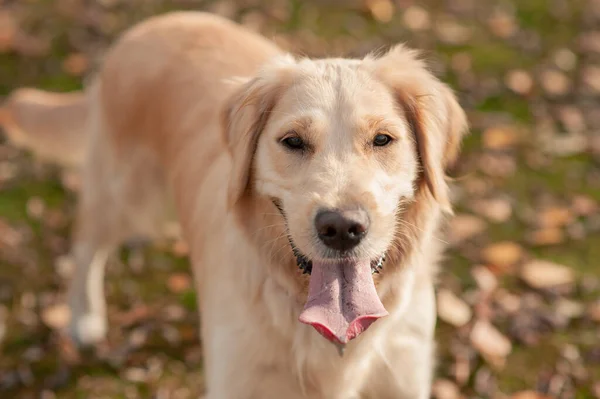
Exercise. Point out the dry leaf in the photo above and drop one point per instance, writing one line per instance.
(529, 395)
(555, 83)
(543, 274)
(504, 254)
(35, 208)
(500, 137)
(519, 81)
(76, 64)
(179, 282)
(452, 32)
(549, 236)
(593, 311)
(591, 77)
(497, 210)
(9, 236)
(180, 248)
(584, 206)
(463, 227)
(590, 42)
(568, 308)
(416, 18)
(381, 10)
(8, 30)
(452, 309)
(445, 389)
(56, 317)
(490, 343)
(555, 217)
(485, 279)
(572, 118)
(510, 303)
(502, 25)
(565, 59)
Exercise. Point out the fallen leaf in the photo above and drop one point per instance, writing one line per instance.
(8, 30)
(510, 303)
(135, 315)
(64, 266)
(56, 317)
(76, 64)
(583, 205)
(179, 282)
(136, 374)
(463, 227)
(572, 118)
(519, 81)
(180, 248)
(593, 311)
(35, 208)
(381, 10)
(497, 165)
(529, 395)
(497, 210)
(452, 32)
(554, 217)
(596, 390)
(502, 25)
(416, 18)
(452, 309)
(567, 144)
(555, 83)
(568, 308)
(565, 59)
(590, 42)
(490, 343)
(500, 137)
(591, 77)
(9, 236)
(504, 254)
(461, 62)
(542, 274)
(3, 317)
(445, 389)
(548, 236)
(485, 279)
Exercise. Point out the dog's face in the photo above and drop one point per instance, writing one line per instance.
(337, 150)
(340, 146)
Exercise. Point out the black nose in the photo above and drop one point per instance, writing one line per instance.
(342, 230)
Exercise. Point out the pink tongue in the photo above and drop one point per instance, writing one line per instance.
(342, 300)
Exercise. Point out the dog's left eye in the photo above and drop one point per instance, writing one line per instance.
(381, 140)
(294, 143)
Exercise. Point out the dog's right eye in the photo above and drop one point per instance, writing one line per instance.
(294, 143)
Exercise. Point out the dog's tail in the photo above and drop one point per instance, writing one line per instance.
(51, 125)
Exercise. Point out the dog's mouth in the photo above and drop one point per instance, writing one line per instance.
(342, 299)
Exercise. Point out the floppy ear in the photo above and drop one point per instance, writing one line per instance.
(435, 117)
(244, 117)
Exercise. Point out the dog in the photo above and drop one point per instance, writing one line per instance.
(310, 192)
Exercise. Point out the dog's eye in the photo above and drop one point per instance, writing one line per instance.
(381, 140)
(294, 143)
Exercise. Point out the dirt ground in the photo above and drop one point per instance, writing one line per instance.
(519, 293)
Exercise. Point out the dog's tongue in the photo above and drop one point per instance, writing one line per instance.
(342, 300)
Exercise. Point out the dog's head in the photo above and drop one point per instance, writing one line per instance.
(340, 146)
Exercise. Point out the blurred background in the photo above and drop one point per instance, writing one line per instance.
(519, 293)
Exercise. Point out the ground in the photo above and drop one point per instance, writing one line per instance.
(519, 292)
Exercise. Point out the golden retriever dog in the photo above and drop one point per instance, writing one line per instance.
(310, 193)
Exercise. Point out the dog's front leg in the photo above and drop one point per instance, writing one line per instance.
(86, 294)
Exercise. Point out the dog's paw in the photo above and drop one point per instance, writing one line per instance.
(88, 329)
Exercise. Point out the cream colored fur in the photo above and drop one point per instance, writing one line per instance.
(188, 113)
